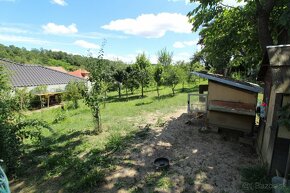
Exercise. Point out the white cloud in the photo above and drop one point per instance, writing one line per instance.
(52, 28)
(22, 39)
(85, 44)
(151, 25)
(59, 2)
(183, 44)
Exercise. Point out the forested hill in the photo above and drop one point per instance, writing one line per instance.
(44, 57)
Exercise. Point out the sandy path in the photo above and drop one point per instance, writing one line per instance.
(200, 162)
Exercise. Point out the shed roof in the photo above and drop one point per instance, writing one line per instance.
(25, 75)
(231, 82)
(277, 55)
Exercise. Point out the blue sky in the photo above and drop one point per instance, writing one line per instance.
(76, 26)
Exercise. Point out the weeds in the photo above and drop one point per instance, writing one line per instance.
(160, 122)
(255, 180)
(60, 116)
(164, 183)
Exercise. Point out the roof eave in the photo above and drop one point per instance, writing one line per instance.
(255, 89)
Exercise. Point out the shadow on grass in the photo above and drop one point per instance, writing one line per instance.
(55, 166)
(143, 103)
(125, 164)
(113, 99)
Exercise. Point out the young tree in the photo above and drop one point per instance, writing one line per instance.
(165, 57)
(119, 77)
(142, 66)
(94, 96)
(171, 78)
(23, 98)
(131, 80)
(74, 91)
(158, 77)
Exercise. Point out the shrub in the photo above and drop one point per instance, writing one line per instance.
(73, 92)
(13, 128)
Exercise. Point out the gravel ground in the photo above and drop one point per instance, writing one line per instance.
(199, 162)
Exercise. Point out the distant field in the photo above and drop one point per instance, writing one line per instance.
(69, 158)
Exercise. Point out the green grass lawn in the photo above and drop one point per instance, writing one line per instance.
(70, 158)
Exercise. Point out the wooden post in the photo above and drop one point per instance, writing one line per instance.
(285, 179)
(48, 96)
(274, 130)
(40, 101)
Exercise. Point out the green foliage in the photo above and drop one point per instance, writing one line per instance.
(255, 180)
(165, 183)
(13, 128)
(158, 77)
(74, 91)
(94, 96)
(81, 167)
(234, 39)
(171, 78)
(59, 117)
(131, 79)
(165, 57)
(23, 98)
(39, 90)
(120, 76)
(229, 38)
(142, 66)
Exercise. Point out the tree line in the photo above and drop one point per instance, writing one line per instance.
(45, 57)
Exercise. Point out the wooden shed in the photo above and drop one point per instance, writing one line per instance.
(274, 139)
(231, 103)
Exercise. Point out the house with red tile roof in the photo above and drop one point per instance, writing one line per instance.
(80, 73)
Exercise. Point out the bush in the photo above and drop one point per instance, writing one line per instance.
(73, 92)
(13, 128)
(23, 98)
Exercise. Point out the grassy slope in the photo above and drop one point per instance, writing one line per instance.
(70, 159)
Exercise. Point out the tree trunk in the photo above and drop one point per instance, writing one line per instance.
(126, 93)
(173, 92)
(183, 86)
(105, 99)
(157, 91)
(119, 90)
(263, 16)
(142, 90)
(98, 126)
(21, 103)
